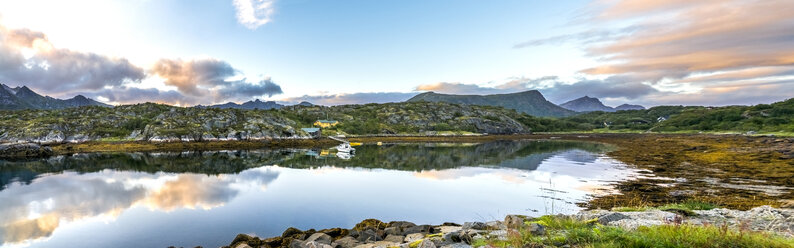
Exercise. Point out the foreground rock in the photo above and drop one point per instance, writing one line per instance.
(372, 233)
(23, 150)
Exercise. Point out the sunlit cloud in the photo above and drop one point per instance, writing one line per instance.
(254, 13)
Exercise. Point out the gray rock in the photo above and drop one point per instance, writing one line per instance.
(368, 235)
(499, 234)
(394, 238)
(475, 225)
(413, 237)
(456, 245)
(401, 224)
(604, 220)
(243, 245)
(418, 229)
(536, 229)
(313, 244)
(23, 150)
(346, 242)
(320, 238)
(495, 225)
(426, 244)
(379, 244)
(296, 243)
(393, 231)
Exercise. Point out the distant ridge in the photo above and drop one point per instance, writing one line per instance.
(255, 104)
(530, 102)
(25, 98)
(590, 104)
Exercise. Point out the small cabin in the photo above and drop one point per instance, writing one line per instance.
(325, 123)
(312, 131)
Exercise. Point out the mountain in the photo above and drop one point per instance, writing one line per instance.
(256, 104)
(590, 104)
(529, 102)
(586, 104)
(629, 107)
(305, 104)
(25, 98)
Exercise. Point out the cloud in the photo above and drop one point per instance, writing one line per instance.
(254, 13)
(352, 98)
(209, 77)
(28, 58)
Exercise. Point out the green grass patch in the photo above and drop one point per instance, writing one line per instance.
(567, 231)
(686, 208)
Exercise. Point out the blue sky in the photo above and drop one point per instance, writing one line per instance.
(344, 51)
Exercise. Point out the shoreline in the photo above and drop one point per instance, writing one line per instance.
(735, 227)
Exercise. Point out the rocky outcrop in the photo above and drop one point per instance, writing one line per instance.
(23, 150)
(373, 233)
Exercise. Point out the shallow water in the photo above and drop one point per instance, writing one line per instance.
(206, 198)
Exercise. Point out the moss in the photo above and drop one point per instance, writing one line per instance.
(370, 224)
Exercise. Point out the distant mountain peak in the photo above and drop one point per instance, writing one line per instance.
(25, 98)
(531, 102)
(589, 104)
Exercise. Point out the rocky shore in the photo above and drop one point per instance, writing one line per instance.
(372, 233)
(24, 150)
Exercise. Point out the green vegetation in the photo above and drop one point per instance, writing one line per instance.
(686, 208)
(562, 230)
(767, 118)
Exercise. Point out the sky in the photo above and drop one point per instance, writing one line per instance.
(188, 52)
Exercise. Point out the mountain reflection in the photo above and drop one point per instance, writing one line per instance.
(37, 196)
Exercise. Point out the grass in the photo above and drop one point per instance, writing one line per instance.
(563, 231)
(686, 208)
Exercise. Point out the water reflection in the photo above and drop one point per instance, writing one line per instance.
(51, 202)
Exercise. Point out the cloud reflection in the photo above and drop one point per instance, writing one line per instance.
(34, 211)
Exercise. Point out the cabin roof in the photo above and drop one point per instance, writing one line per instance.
(310, 129)
(326, 121)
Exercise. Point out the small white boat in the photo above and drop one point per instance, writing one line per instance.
(346, 148)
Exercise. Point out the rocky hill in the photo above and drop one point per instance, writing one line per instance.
(530, 102)
(590, 104)
(156, 122)
(25, 98)
(255, 104)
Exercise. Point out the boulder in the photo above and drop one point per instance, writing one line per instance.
(413, 237)
(394, 238)
(290, 232)
(319, 238)
(369, 235)
(495, 225)
(426, 244)
(515, 221)
(610, 217)
(24, 150)
(370, 224)
(418, 229)
(456, 245)
(393, 231)
(536, 229)
(475, 225)
(346, 242)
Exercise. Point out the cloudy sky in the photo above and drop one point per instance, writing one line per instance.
(185, 52)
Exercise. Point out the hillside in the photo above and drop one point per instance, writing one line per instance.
(590, 104)
(25, 98)
(529, 102)
(776, 117)
(255, 104)
(156, 122)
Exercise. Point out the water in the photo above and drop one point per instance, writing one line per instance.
(207, 198)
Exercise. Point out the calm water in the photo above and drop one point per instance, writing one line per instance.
(188, 199)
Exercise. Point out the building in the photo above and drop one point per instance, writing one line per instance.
(325, 123)
(312, 131)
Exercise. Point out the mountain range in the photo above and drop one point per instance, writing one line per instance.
(590, 104)
(25, 98)
(530, 102)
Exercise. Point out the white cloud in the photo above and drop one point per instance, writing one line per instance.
(254, 13)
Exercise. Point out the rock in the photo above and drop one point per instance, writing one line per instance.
(370, 224)
(401, 224)
(314, 244)
(499, 235)
(448, 229)
(418, 229)
(495, 225)
(450, 224)
(426, 244)
(320, 238)
(452, 236)
(394, 238)
(413, 237)
(335, 232)
(24, 150)
(603, 220)
(515, 221)
(296, 243)
(456, 245)
(379, 244)
(393, 231)
(346, 242)
(243, 245)
(368, 235)
(273, 242)
(536, 229)
(475, 225)
(290, 232)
